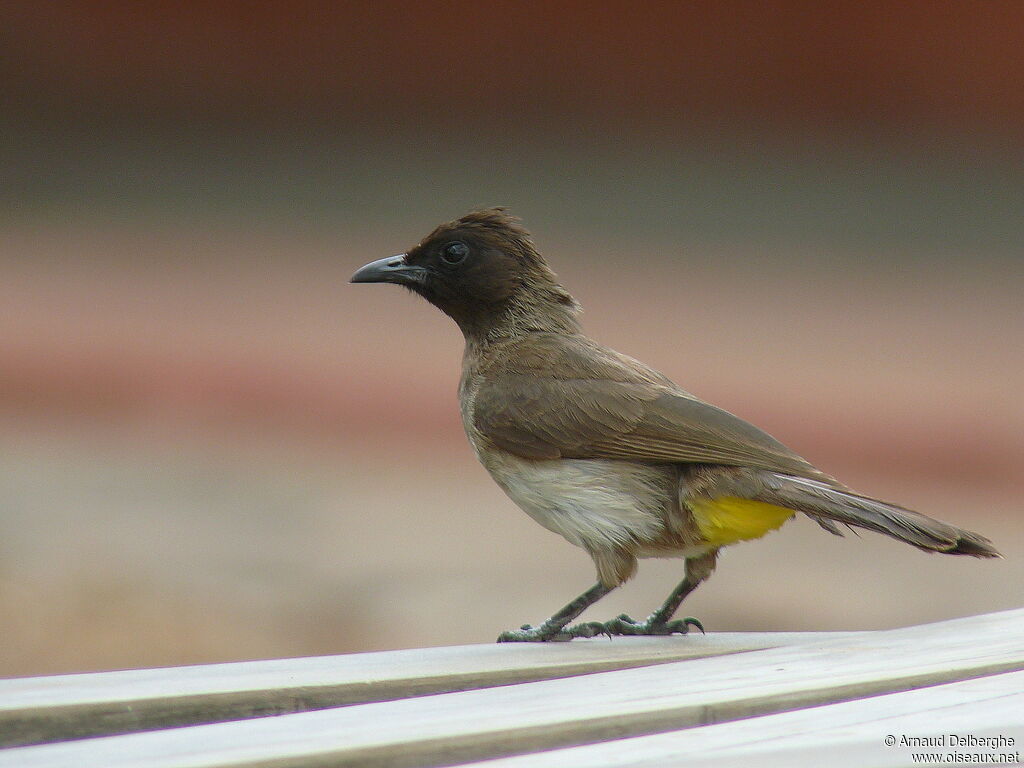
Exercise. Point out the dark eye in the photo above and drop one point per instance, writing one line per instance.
(454, 253)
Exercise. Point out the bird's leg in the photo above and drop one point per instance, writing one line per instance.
(554, 628)
(659, 622)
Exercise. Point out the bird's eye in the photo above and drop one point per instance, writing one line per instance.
(454, 253)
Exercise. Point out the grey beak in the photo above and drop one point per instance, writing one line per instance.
(390, 269)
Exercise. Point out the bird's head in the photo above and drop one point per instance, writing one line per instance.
(484, 272)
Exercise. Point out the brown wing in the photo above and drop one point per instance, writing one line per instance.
(547, 418)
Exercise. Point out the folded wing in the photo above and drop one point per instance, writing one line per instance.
(547, 418)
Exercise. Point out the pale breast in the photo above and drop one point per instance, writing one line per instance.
(597, 504)
(594, 503)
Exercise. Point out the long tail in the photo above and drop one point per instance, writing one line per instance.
(828, 506)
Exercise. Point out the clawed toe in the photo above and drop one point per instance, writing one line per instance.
(623, 625)
(588, 629)
(541, 634)
(682, 626)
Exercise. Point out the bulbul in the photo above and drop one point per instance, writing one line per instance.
(602, 449)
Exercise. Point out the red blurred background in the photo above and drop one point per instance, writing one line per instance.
(796, 64)
(218, 449)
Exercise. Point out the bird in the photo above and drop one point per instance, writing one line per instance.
(603, 449)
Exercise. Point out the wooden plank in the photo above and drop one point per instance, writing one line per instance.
(847, 735)
(494, 722)
(36, 710)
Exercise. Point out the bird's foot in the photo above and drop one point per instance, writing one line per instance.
(652, 625)
(546, 633)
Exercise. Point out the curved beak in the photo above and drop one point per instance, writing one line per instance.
(390, 269)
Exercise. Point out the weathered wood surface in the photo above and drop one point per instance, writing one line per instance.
(781, 704)
(61, 707)
(847, 735)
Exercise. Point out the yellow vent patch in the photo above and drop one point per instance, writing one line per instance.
(729, 519)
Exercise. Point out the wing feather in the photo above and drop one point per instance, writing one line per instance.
(549, 418)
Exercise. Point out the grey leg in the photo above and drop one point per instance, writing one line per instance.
(658, 623)
(554, 628)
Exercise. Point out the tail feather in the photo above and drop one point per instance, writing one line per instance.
(828, 506)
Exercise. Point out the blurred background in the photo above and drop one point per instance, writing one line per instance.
(215, 448)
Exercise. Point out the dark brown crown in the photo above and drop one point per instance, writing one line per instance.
(497, 227)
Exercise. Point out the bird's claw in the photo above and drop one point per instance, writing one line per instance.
(589, 629)
(528, 634)
(620, 625)
(652, 625)
(682, 626)
(548, 634)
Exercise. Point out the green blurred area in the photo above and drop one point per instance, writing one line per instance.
(644, 195)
